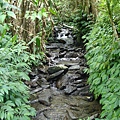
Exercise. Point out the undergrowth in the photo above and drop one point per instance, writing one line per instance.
(103, 59)
(15, 63)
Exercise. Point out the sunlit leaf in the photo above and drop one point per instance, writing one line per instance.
(11, 14)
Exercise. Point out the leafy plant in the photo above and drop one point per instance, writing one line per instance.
(15, 64)
(103, 54)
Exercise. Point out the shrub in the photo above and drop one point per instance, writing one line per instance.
(15, 64)
(103, 58)
(14, 94)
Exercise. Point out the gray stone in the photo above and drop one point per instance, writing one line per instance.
(55, 76)
(56, 68)
(69, 61)
(42, 82)
(72, 115)
(40, 117)
(62, 82)
(36, 90)
(51, 47)
(71, 55)
(81, 70)
(70, 89)
(45, 96)
(74, 67)
(78, 81)
(55, 91)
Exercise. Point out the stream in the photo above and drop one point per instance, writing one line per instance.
(59, 89)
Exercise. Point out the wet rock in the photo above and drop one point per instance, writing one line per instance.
(81, 70)
(32, 75)
(72, 115)
(62, 41)
(51, 47)
(43, 83)
(78, 81)
(36, 90)
(57, 115)
(78, 49)
(41, 70)
(80, 85)
(70, 89)
(62, 54)
(71, 55)
(55, 91)
(45, 96)
(55, 76)
(83, 89)
(62, 82)
(73, 76)
(86, 93)
(71, 49)
(74, 67)
(40, 117)
(56, 68)
(69, 61)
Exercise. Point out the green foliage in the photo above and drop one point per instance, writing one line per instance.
(103, 58)
(15, 64)
(14, 67)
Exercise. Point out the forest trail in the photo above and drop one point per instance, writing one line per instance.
(59, 90)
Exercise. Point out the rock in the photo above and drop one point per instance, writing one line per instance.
(45, 86)
(42, 82)
(71, 55)
(78, 49)
(73, 76)
(86, 93)
(36, 90)
(40, 117)
(72, 115)
(32, 75)
(70, 89)
(55, 91)
(62, 54)
(45, 96)
(83, 89)
(55, 76)
(69, 61)
(56, 68)
(34, 84)
(51, 47)
(62, 82)
(78, 81)
(79, 85)
(81, 70)
(69, 41)
(62, 41)
(71, 49)
(56, 115)
(74, 67)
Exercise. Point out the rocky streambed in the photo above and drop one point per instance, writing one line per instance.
(59, 90)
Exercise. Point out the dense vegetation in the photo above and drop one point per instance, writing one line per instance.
(103, 58)
(15, 64)
(24, 29)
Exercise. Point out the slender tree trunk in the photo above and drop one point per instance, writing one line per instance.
(111, 20)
